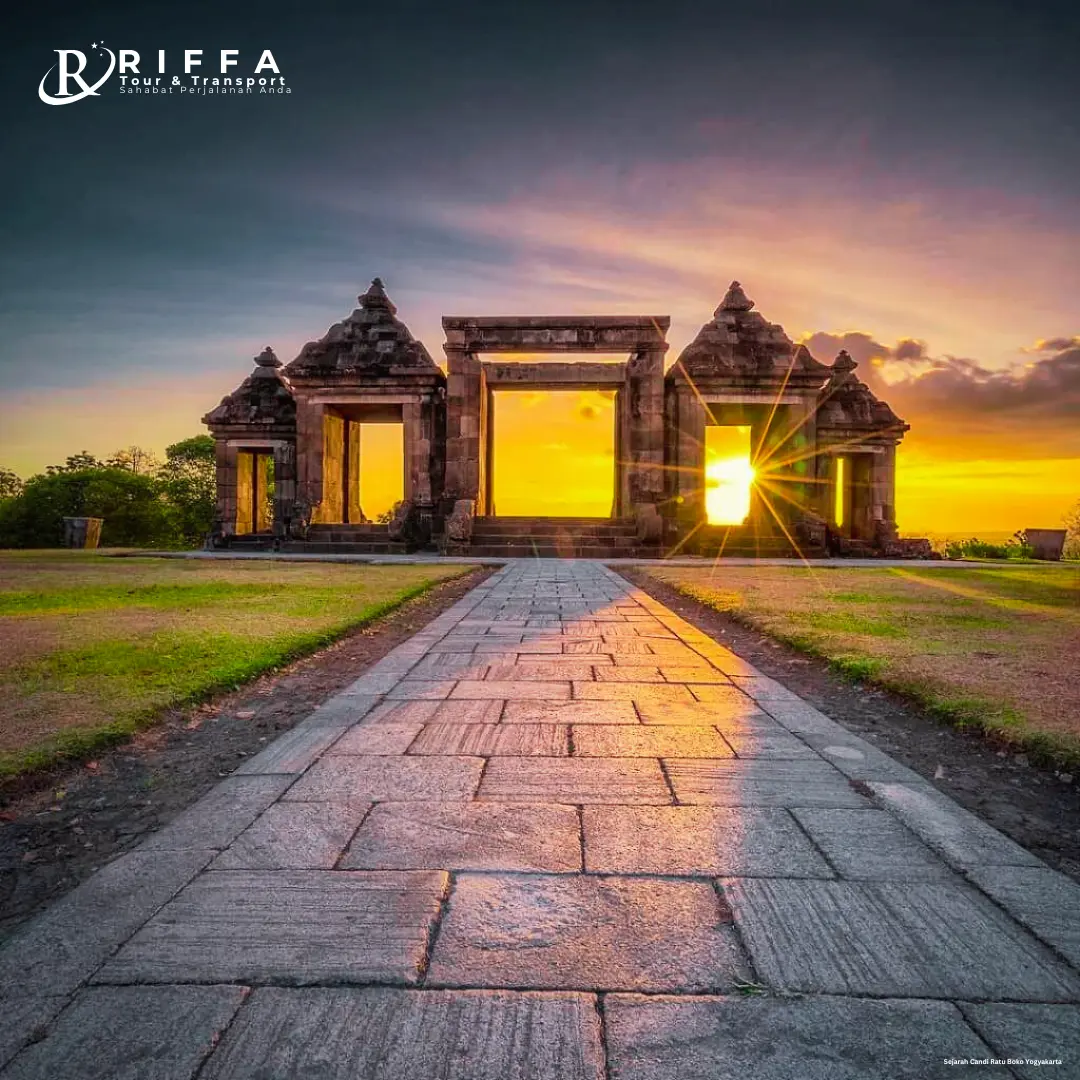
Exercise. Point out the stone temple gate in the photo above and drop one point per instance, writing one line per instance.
(821, 448)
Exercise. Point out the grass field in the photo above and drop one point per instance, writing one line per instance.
(992, 647)
(92, 647)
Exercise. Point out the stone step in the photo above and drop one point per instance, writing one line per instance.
(512, 527)
(519, 550)
(357, 547)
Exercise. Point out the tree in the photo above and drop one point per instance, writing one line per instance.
(1072, 539)
(10, 484)
(81, 460)
(135, 513)
(135, 459)
(189, 480)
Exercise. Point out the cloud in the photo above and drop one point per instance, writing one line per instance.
(1022, 410)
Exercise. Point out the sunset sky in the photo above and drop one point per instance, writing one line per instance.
(896, 180)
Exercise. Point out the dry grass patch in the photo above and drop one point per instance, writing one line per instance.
(991, 647)
(92, 648)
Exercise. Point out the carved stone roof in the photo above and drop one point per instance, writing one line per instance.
(262, 401)
(848, 403)
(740, 346)
(370, 342)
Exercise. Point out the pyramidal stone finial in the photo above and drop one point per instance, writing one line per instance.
(376, 298)
(735, 300)
(843, 362)
(267, 359)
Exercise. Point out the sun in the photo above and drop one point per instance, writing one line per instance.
(728, 482)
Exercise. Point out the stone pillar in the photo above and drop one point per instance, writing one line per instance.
(643, 429)
(417, 435)
(353, 510)
(688, 420)
(465, 409)
(309, 453)
(225, 457)
(284, 486)
(861, 500)
(883, 492)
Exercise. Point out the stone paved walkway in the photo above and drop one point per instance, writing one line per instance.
(559, 834)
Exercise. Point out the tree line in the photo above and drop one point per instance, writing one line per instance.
(145, 501)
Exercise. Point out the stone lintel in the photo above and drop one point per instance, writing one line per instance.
(367, 397)
(762, 397)
(557, 333)
(569, 376)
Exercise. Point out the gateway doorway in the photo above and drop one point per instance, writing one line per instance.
(553, 453)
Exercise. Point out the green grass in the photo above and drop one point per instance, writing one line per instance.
(983, 649)
(99, 649)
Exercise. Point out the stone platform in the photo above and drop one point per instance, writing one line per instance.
(558, 834)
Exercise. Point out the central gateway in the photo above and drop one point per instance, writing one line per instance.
(638, 384)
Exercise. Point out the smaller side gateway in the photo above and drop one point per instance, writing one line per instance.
(818, 473)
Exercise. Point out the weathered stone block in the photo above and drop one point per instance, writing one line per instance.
(585, 933)
(291, 927)
(468, 836)
(698, 841)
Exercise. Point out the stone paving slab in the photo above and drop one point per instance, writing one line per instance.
(956, 834)
(926, 939)
(25, 1017)
(294, 836)
(386, 1034)
(571, 932)
(378, 779)
(698, 841)
(624, 740)
(376, 739)
(131, 1033)
(871, 845)
(494, 740)
(778, 745)
(575, 780)
(61, 948)
(219, 817)
(1031, 1033)
(512, 691)
(734, 716)
(723, 1038)
(294, 751)
(1046, 902)
(289, 927)
(468, 836)
(760, 782)
(570, 712)
(631, 691)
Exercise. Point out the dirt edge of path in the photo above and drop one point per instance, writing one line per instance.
(1028, 803)
(57, 828)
